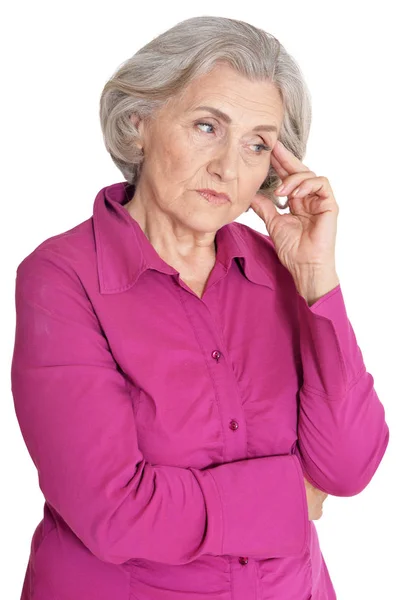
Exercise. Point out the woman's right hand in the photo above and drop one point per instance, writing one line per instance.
(315, 498)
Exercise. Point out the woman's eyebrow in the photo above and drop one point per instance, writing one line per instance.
(228, 119)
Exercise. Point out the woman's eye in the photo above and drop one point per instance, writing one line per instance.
(263, 147)
(206, 124)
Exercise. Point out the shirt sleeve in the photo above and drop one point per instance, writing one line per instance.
(75, 414)
(342, 432)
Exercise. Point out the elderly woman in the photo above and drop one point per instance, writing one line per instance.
(190, 390)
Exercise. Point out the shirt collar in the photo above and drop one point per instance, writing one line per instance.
(124, 251)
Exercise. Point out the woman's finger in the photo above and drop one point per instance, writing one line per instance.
(281, 172)
(317, 186)
(287, 159)
(293, 181)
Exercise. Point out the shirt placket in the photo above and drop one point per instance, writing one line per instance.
(200, 312)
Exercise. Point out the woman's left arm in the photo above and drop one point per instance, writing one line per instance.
(342, 432)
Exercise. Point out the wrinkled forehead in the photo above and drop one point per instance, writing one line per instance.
(241, 102)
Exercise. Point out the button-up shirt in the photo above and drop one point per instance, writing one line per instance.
(171, 432)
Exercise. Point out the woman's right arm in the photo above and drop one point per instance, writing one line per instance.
(75, 414)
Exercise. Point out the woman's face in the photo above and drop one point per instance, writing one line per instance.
(187, 148)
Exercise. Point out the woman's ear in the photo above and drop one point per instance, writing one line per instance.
(135, 119)
(138, 123)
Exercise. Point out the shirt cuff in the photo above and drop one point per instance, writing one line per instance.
(256, 507)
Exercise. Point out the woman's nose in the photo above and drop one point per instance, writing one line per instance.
(224, 162)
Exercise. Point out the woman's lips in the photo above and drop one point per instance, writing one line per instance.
(212, 198)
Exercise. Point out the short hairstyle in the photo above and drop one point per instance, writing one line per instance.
(162, 69)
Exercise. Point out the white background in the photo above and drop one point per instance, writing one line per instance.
(56, 57)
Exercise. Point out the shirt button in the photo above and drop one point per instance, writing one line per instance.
(233, 425)
(243, 560)
(216, 354)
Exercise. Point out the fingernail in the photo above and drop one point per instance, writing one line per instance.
(280, 188)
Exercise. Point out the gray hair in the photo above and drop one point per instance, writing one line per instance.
(161, 70)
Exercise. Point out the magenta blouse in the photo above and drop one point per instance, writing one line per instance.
(171, 433)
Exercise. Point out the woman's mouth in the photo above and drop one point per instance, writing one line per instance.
(213, 198)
